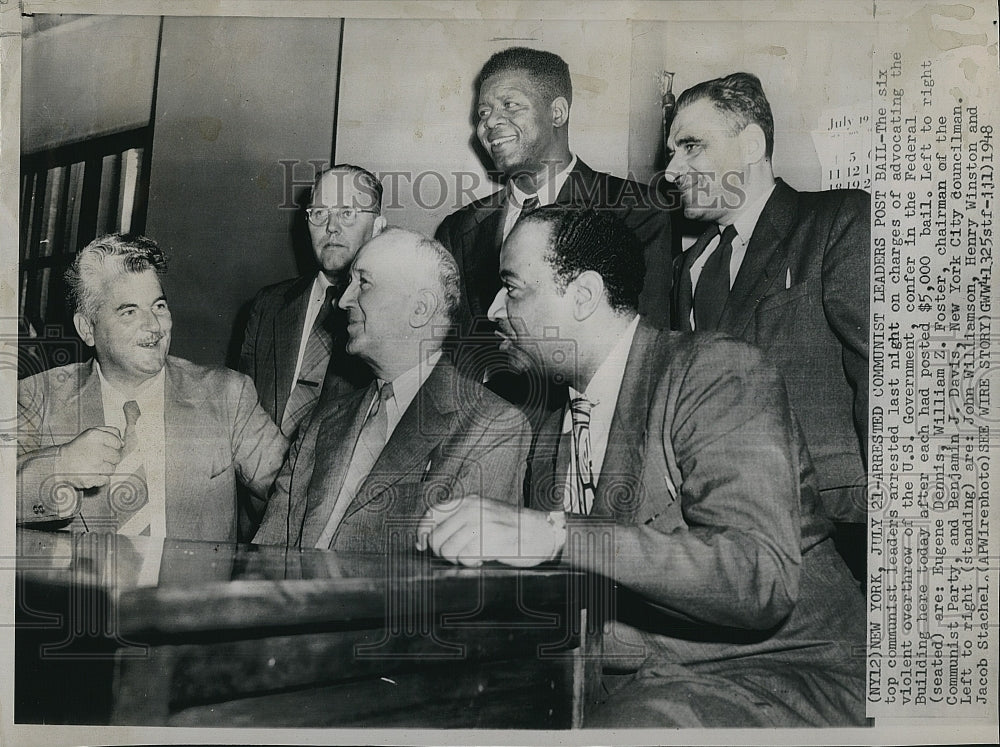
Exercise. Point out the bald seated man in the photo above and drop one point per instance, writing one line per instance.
(419, 434)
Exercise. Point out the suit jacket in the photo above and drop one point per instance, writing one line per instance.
(215, 431)
(473, 236)
(815, 330)
(709, 519)
(455, 438)
(271, 346)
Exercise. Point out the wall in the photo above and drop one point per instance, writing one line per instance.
(66, 97)
(407, 102)
(805, 68)
(236, 96)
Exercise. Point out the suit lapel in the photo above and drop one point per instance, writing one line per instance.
(287, 333)
(91, 402)
(765, 258)
(546, 472)
(619, 486)
(427, 420)
(336, 436)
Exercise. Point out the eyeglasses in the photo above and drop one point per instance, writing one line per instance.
(346, 216)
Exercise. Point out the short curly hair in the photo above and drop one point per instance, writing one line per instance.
(549, 71)
(583, 239)
(117, 252)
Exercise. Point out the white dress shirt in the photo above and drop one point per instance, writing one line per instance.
(151, 451)
(547, 194)
(316, 298)
(602, 392)
(745, 222)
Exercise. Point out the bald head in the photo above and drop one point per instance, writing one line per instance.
(402, 298)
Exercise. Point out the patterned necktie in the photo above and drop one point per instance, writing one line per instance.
(581, 496)
(368, 447)
(127, 489)
(713, 284)
(313, 369)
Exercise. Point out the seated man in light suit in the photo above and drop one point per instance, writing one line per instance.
(419, 434)
(137, 441)
(678, 457)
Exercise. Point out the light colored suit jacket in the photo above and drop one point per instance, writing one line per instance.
(455, 439)
(813, 328)
(271, 346)
(707, 516)
(215, 433)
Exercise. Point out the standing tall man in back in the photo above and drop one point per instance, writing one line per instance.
(294, 342)
(523, 107)
(785, 270)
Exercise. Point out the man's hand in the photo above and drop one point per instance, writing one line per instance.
(472, 530)
(90, 459)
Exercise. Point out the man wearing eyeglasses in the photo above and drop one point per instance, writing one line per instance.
(294, 346)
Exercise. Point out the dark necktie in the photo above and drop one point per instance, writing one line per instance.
(127, 491)
(713, 284)
(583, 488)
(313, 370)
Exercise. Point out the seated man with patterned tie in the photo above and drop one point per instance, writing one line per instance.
(677, 472)
(134, 440)
(368, 462)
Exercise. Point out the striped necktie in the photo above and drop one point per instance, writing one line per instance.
(128, 492)
(312, 372)
(580, 498)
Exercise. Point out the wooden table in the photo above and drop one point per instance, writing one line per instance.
(134, 630)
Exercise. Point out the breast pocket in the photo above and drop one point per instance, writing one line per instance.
(788, 313)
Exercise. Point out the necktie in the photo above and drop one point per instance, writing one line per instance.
(530, 203)
(581, 496)
(368, 447)
(313, 369)
(713, 283)
(127, 490)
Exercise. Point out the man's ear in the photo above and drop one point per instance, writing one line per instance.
(378, 226)
(588, 293)
(753, 144)
(84, 328)
(560, 111)
(425, 308)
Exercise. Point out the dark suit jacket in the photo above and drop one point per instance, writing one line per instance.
(215, 432)
(271, 346)
(456, 438)
(472, 234)
(816, 330)
(709, 519)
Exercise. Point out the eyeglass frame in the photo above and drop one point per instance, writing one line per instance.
(339, 212)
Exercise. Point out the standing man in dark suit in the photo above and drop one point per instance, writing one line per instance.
(294, 342)
(785, 270)
(678, 472)
(419, 434)
(523, 108)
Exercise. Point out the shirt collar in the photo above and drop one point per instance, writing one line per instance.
(148, 394)
(607, 379)
(549, 191)
(407, 384)
(747, 217)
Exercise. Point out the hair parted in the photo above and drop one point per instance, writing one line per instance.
(549, 71)
(118, 253)
(741, 98)
(361, 179)
(583, 239)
